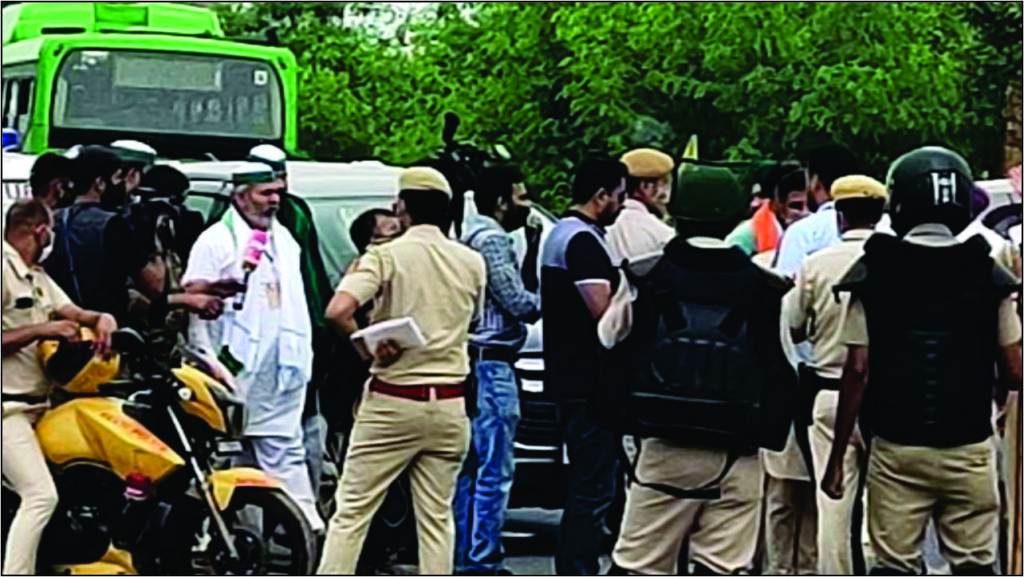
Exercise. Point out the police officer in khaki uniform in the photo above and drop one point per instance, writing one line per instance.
(722, 532)
(814, 315)
(640, 229)
(412, 415)
(34, 308)
(930, 316)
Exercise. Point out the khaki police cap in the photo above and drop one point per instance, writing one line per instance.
(423, 178)
(648, 163)
(858, 186)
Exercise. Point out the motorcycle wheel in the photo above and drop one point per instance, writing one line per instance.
(271, 535)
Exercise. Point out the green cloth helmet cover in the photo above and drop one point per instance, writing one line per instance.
(708, 194)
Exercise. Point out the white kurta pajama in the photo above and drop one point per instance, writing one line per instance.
(271, 336)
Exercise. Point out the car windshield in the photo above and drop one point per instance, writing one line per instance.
(167, 93)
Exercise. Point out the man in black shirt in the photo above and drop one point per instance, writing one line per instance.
(577, 283)
(96, 253)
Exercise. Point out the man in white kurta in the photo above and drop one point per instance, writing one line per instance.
(268, 340)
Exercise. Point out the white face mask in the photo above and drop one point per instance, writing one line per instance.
(47, 250)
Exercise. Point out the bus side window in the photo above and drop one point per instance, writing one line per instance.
(10, 100)
(23, 114)
(3, 107)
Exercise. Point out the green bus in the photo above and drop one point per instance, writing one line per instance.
(164, 74)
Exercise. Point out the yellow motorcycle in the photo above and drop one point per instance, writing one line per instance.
(146, 465)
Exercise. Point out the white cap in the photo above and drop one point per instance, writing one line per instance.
(253, 173)
(270, 155)
(133, 151)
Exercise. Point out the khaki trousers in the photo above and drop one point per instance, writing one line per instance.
(957, 487)
(1013, 481)
(722, 532)
(835, 517)
(390, 435)
(791, 528)
(24, 466)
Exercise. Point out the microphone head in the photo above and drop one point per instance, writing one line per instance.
(254, 249)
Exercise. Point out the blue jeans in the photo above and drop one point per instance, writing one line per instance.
(593, 465)
(486, 478)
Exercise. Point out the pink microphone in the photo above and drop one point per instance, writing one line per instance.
(251, 259)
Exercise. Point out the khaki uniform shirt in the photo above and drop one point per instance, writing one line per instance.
(440, 284)
(855, 329)
(30, 297)
(812, 306)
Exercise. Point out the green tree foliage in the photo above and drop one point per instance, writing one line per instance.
(555, 81)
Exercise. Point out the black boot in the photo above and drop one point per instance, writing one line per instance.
(699, 569)
(616, 570)
(974, 570)
(888, 571)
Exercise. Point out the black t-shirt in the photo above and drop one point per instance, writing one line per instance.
(105, 255)
(571, 345)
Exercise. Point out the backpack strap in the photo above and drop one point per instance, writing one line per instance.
(65, 233)
(710, 490)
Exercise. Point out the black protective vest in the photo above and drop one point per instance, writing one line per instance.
(703, 363)
(80, 265)
(932, 318)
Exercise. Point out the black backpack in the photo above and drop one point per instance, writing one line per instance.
(703, 364)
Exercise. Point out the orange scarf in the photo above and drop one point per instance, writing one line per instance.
(766, 229)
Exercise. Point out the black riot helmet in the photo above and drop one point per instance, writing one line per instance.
(930, 184)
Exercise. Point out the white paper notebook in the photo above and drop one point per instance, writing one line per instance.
(404, 331)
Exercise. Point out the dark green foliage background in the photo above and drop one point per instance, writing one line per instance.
(552, 81)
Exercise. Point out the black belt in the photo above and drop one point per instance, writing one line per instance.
(828, 384)
(492, 354)
(27, 399)
(812, 381)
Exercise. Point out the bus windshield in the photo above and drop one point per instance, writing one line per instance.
(169, 93)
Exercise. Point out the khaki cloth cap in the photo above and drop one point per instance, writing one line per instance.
(423, 178)
(648, 163)
(858, 186)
